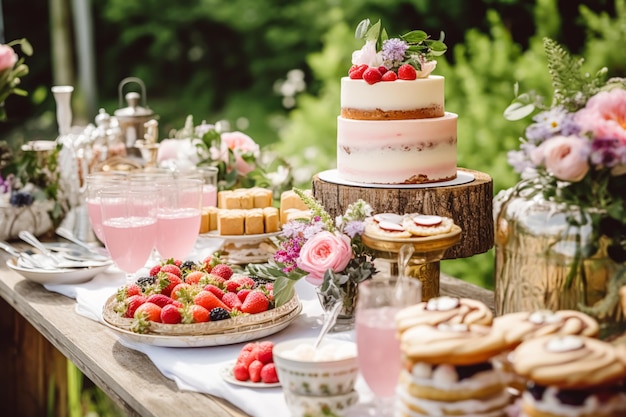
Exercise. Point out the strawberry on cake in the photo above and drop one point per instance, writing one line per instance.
(393, 128)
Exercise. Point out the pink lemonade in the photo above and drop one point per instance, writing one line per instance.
(130, 241)
(378, 349)
(95, 218)
(177, 232)
(209, 195)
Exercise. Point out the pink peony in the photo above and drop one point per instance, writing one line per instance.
(8, 57)
(240, 143)
(324, 251)
(566, 157)
(604, 116)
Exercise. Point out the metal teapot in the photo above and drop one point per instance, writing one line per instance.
(131, 119)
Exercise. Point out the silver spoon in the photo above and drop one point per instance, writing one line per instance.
(329, 322)
(93, 252)
(57, 260)
(26, 259)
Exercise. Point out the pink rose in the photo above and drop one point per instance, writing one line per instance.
(240, 143)
(566, 157)
(8, 57)
(324, 251)
(604, 114)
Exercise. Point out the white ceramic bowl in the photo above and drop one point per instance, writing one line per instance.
(320, 406)
(332, 372)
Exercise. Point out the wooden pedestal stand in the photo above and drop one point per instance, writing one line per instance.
(469, 205)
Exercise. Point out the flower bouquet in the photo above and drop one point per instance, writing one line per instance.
(573, 158)
(12, 69)
(327, 253)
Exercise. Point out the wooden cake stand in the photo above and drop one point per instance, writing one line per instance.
(468, 201)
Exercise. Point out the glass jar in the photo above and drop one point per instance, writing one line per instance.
(539, 262)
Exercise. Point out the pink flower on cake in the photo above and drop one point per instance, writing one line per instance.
(367, 55)
(604, 115)
(566, 157)
(8, 57)
(324, 251)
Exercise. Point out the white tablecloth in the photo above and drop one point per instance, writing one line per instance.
(198, 369)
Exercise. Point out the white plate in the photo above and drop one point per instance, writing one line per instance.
(57, 276)
(332, 175)
(227, 374)
(218, 339)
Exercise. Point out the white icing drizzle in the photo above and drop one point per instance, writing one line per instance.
(442, 303)
(388, 217)
(544, 317)
(565, 343)
(427, 220)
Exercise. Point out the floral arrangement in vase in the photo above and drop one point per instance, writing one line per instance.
(12, 69)
(329, 253)
(240, 160)
(573, 154)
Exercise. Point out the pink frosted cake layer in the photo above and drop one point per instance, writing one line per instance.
(397, 151)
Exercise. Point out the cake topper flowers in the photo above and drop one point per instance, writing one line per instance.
(407, 57)
(574, 151)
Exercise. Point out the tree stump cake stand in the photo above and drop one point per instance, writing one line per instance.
(469, 204)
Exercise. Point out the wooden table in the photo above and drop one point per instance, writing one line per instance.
(39, 329)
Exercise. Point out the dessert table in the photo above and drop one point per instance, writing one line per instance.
(40, 328)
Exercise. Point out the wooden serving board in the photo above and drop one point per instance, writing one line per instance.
(470, 205)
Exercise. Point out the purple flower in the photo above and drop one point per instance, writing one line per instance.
(607, 152)
(354, 228)
(393, 50)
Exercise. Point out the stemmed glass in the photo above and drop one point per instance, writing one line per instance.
(93, 184)
(178, 216)
(378, 347)
(129, 224)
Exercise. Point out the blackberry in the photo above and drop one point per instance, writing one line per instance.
(258, 281)
(188, 266)
(145, 282)
(219, 313)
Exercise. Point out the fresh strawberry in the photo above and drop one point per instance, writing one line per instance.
(382, 69)
(265, 351)
(249, 347)
(242, 294)
(170, 314)
(209, 301)
(194, 277)
(268, 373)
(372, 75)
(128, 306)
(176, 291)
(168, 281)
(243, 280)
(357, 73)
(171, 268)
(240, 372)
(217, 291)
(194, 313)
(155, 270)
(222, 270)
(256, 302)
(407, 72)
(246, 358)
(159, 299)
(132, 289)
(149, 311)
(255, 370)
(389, 76)
(215, 279)
(231, 285)
(232, 301)
(269, 286)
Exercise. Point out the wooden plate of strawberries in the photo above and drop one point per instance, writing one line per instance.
(197, 303)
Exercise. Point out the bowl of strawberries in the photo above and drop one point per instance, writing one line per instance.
(197, 303)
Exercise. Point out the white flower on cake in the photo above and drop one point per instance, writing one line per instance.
(368, 55)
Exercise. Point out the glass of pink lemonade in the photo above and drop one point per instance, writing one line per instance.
(208, 175)
(378, 347)
(93, 183)
(178, 216)
(129, 224)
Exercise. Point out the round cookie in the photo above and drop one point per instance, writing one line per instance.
(568, 361)
(444, 310)
(386, 230)
(517, 327)
(427, 225)
(451, 343)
